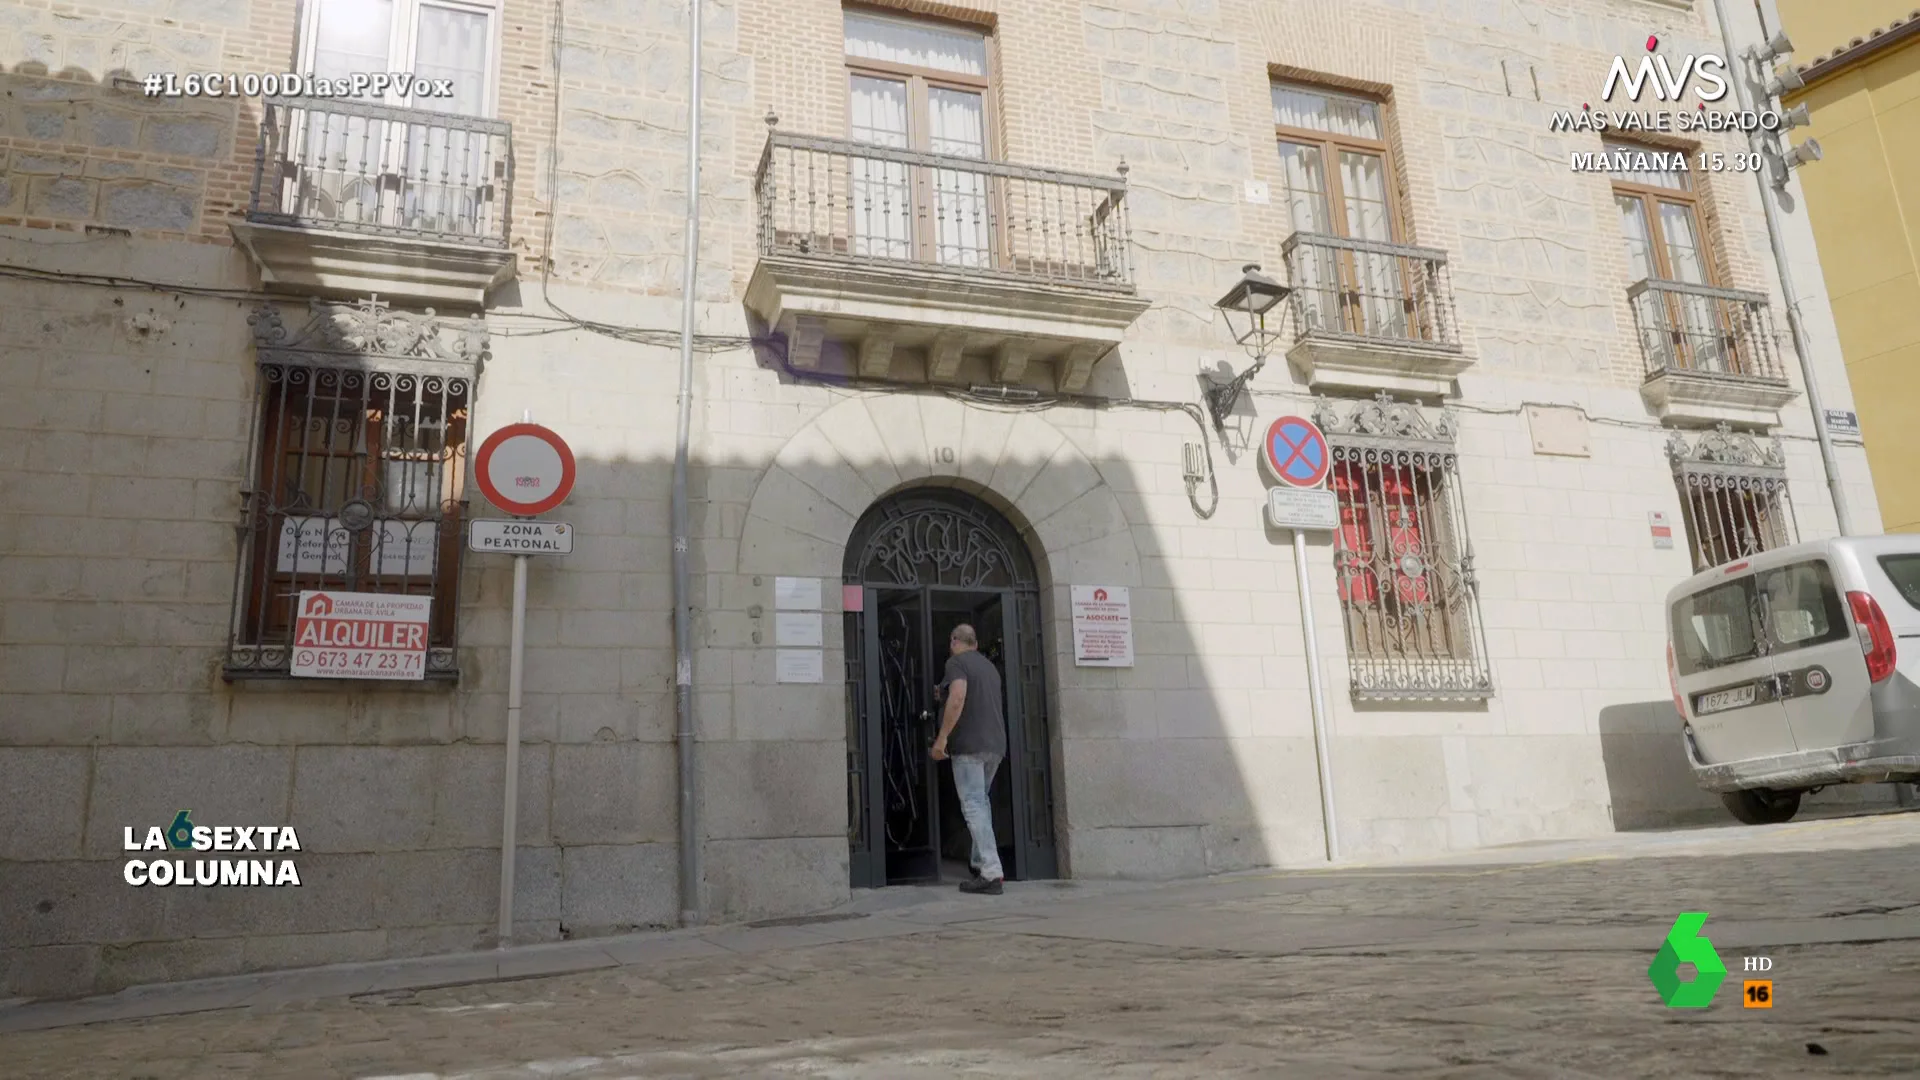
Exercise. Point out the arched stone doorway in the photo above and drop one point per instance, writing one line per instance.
(923, 560)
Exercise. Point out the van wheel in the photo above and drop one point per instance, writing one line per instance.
(1760, 806)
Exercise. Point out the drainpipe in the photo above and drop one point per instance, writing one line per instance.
(1801, 350)
(682, 577)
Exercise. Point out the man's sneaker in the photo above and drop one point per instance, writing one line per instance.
(981, 885)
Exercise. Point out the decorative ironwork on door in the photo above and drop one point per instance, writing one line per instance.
(942, 539)
(1408, 594)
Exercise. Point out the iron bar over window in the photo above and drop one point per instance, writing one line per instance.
(1733, 495)
(1402, 557)
(357, 478)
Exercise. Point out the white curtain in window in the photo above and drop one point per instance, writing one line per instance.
(445, 166)
(916, 43)
(1314, 270)
(882, 204)
(1653, 176)
(1657, 315)
(1634, 229)
(958, 127)
(1318, 110)
(338, 159)
(1380, 278)
(1706, 337)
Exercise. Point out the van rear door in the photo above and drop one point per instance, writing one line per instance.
(1818, 673)
(1724, 675)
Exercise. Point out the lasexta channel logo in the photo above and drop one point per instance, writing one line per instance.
(1685, 944)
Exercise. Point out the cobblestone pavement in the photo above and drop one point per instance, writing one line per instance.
(1525, 962)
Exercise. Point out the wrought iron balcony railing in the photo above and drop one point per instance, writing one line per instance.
(1370, 290)
(1704, 330)
(382, 169)
(835, 199)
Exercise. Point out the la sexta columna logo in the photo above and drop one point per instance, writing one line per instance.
(224, 855)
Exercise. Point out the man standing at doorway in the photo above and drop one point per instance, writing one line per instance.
(978, 730)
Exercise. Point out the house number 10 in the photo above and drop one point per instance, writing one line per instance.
(943, 455)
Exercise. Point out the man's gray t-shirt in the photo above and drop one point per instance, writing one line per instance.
(983, 727)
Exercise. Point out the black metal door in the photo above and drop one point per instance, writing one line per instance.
(940, 540)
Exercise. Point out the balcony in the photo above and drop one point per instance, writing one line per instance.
(351, 198)
(897, 264)
(1710, 354)
(1372, 316)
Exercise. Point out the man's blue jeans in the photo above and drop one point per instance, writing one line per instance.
(972, 780)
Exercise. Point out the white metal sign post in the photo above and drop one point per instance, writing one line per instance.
(1296, 452)
(523, 469)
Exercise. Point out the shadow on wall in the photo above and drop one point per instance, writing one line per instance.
(1154, 766)
(1647, 775)
(1652, 786)
(72, 132)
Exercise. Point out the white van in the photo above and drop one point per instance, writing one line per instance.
(1798, 668)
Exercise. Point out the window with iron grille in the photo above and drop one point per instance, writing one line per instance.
(1733, 495)
(358, 471)
(1402, 558)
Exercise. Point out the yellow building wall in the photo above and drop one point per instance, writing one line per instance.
(1863, 199)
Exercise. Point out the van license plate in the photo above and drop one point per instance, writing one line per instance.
(1721, 700)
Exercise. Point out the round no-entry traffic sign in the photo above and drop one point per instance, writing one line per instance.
(1297, 453)
(524, 469)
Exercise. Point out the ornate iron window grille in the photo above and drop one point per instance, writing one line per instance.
(1407, 589)
(356, 472)
(1733, 494)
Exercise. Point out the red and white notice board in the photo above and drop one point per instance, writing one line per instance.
(340, 635)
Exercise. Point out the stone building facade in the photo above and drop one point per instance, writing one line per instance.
(958, 265)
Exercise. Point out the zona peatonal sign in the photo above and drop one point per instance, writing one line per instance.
(521, 537)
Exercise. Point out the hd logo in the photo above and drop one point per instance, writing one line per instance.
(209, 869)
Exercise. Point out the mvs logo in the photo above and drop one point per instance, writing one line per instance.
(1657, 74)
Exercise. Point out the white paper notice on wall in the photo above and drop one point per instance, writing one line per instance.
(1102, 626)
(313, 545)
(797, 630)
(798, 665)
(796, 593)
(405, 548)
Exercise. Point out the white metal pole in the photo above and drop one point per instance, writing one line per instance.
(1319, 699)
(508, 829)
(684, 734)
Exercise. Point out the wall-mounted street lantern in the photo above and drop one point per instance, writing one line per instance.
(1246, 307)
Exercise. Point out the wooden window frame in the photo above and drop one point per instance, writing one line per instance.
(1330, 145)
(919, 81)
(1351, 297)
(1680, 344)
(1650, 197)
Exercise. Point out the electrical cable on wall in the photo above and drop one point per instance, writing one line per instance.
(1041, 401)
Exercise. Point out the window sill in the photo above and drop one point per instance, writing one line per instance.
(245, 667)
(433, 681)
